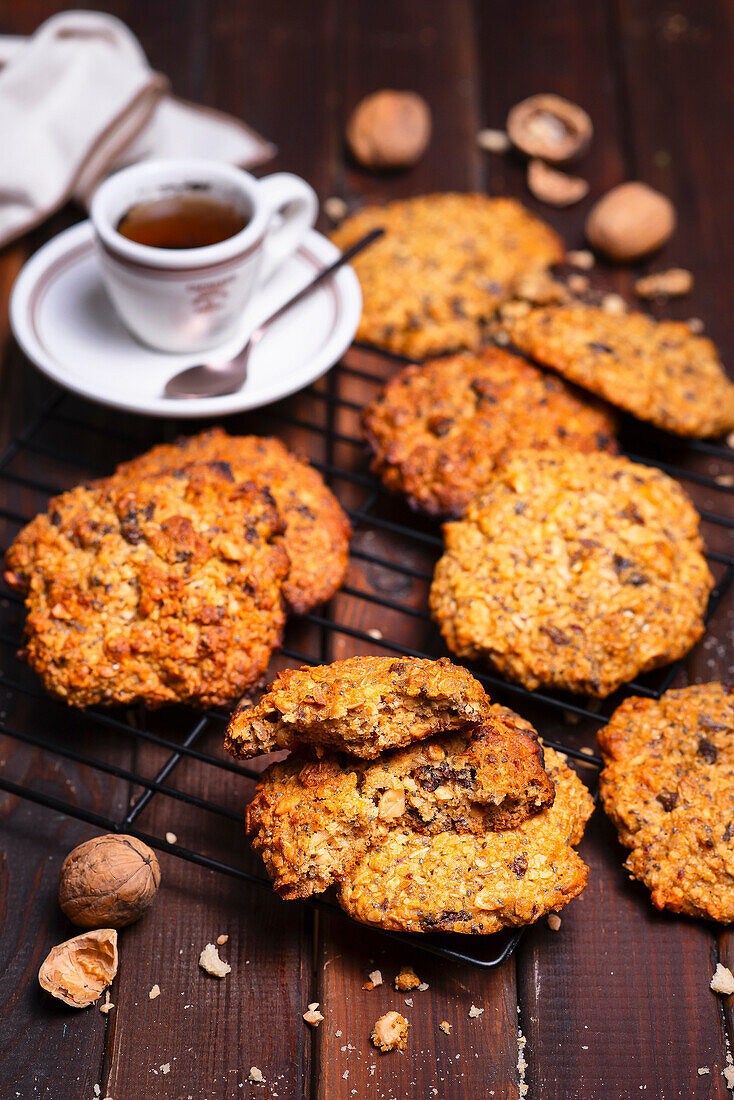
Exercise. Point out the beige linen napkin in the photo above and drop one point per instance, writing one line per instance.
(79, 100)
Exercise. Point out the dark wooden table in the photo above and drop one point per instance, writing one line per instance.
(614, 1005)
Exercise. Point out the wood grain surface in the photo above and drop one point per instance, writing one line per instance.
(614, 1005)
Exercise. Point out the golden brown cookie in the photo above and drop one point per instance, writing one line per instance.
(361, 705)
(445, 264)
(164, 590)
(657, 370)
(312, 818)
(316, 529)
(573, 571)
(438, 432)
(479, 884)
(668, 786)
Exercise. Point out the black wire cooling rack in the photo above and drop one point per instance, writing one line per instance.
(396, 554)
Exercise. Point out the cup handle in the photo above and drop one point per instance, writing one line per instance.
(290, 199)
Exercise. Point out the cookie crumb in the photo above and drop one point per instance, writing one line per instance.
(409, 1002)
(581, 258)
(722, 980)
(614, 303)
(672, 283)
(96, 1090)
(256, 1075)
(374, 979)
(222, 939)
(390, 1032)
(493, 141)
(703, 1070)
(313, 1016)
(154, 992)
(578, 284)
(335, 208)
(696, 325)
(445, 1027)
(423, 987)
(108, 1005)
(376, 633)
(474, 1012)
(209, 960)
(165, 1068)
(729, 1076)
(554, 922)
(171, 838)
(406, 979)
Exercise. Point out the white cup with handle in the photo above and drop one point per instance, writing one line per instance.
(193, 299)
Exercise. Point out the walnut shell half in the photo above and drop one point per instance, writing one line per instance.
(550, 127)
(108, 881)
(78, 971)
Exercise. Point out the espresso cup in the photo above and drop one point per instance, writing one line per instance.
(192, 299)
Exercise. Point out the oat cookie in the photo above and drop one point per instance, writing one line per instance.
(445, 264)
(361, 705)
(573, 571)
(311, 819)
(164, 590)
(438, 432)
(668, 786)
(454, 882)
(316, 529)
(658, 370)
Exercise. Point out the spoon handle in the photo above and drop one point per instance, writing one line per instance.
(345, 257)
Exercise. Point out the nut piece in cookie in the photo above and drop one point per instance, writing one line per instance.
(317, 531)
(444, 265)
(166, 589)
(438, 432)
(311, 819)
(668, 786)
(361, 705)
(471, 883)
(574, 571)
(658, 370)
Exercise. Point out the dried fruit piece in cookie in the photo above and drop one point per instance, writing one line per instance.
(361, 705)
(438, 432)
(573, 571)
(311, 819)
(316, 529)
(477, 884)
(657, 370)
(445, 264)
(164, 590)
(668, 786)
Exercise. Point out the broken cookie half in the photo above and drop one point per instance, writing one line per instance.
(362, 705)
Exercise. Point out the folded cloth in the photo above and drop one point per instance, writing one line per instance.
(79, 100)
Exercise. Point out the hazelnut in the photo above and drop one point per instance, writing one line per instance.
(78, 971)
(630, 221)
(554, 187)
(109, 880)
(550, 127)
(389, 129)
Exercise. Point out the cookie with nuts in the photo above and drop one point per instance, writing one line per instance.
(668, 786)
(573, 571)
(439, 432)
(444, 265)
(657, 370)
(361, 705)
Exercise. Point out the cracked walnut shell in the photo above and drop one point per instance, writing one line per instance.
(109, 880)
(79, 970)
(550, 127)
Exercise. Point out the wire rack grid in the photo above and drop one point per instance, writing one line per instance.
(373, 513)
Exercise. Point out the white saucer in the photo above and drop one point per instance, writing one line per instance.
(65, 323)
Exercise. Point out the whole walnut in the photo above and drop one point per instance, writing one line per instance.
(108, 881)
(389, 129)
(630, 221)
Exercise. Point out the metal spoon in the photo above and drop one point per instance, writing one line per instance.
(218, 379)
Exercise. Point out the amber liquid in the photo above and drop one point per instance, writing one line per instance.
(186, 220)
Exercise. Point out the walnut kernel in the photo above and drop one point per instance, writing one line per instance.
(390, 1032)
(550, 127)
(389, 129)
(630, 221)
(672, 283)
(79, 970)
(108, 881)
